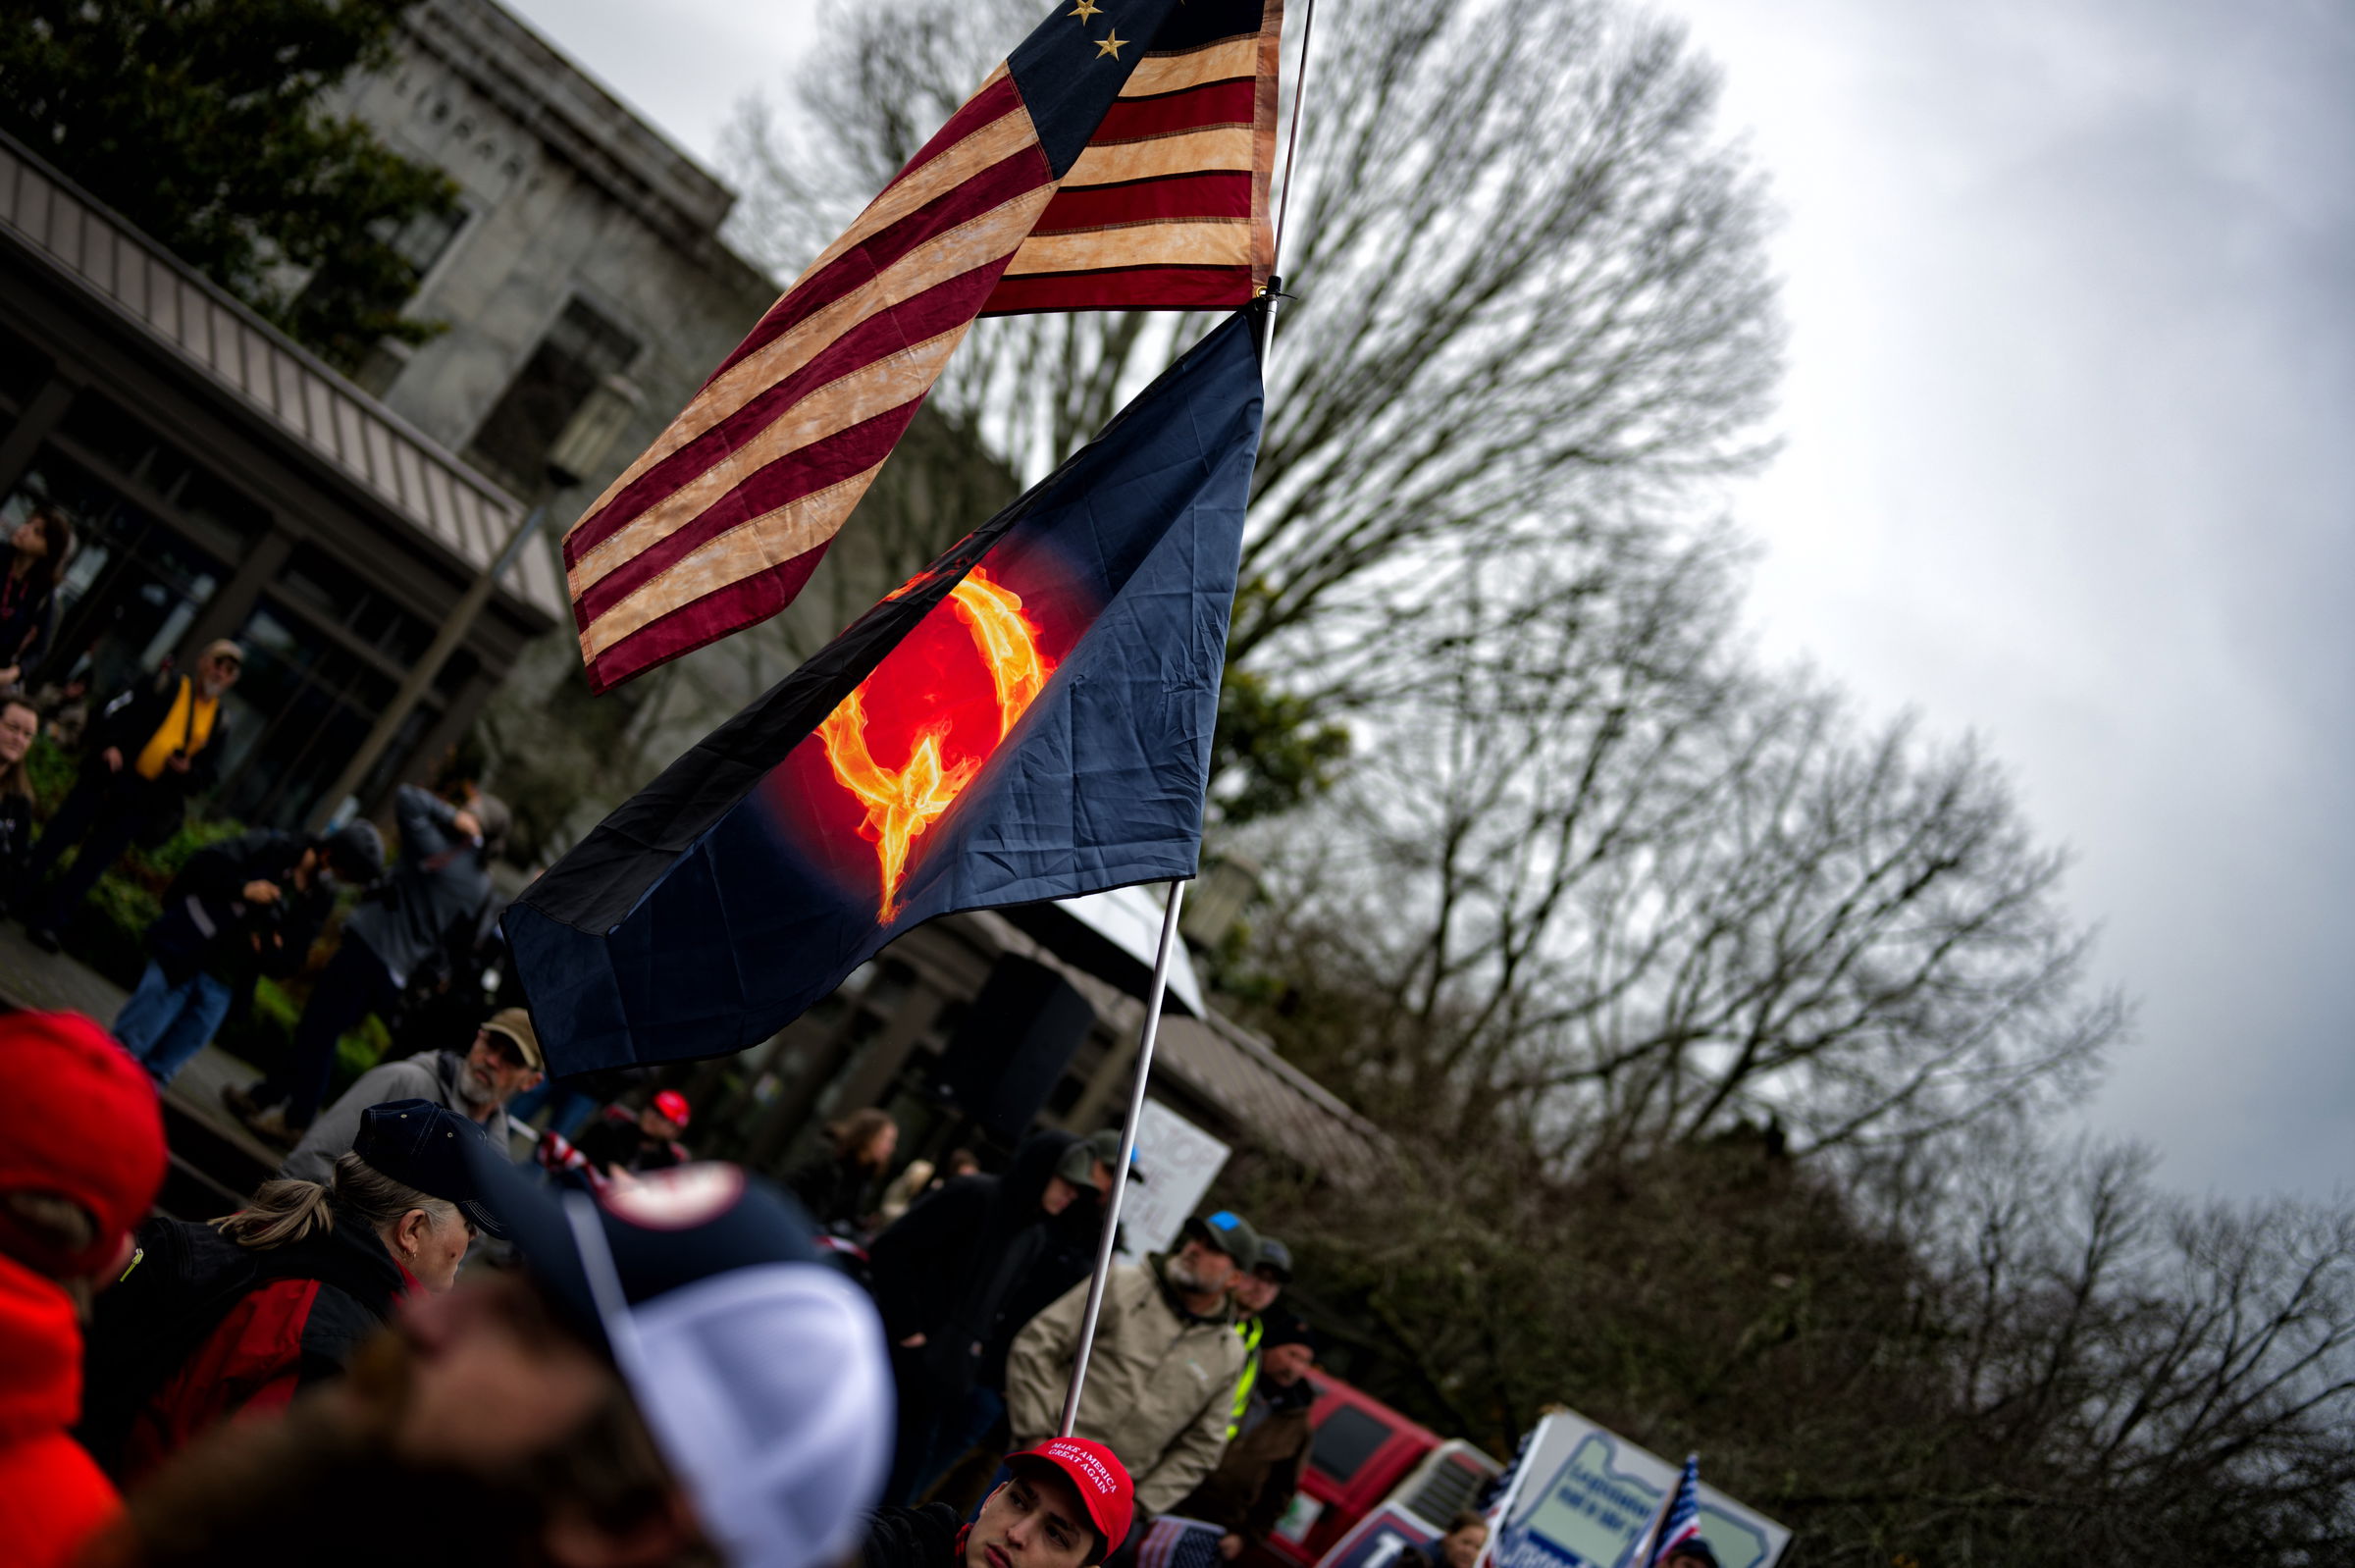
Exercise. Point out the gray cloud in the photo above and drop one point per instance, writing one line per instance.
(2068, 465)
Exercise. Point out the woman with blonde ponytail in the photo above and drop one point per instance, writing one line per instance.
(241, 1312)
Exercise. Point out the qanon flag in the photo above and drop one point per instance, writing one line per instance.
(1028, 718)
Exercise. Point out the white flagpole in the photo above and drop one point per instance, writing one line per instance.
(1169, 916)
(1119, 1170)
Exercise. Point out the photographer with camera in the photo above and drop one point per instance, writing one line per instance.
(241, 909)
(441, 880)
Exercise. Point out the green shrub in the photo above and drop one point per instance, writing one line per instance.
(52, 771)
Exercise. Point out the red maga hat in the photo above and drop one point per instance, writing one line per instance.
(78, 1121)
(671, 1106)
(1099, 1476)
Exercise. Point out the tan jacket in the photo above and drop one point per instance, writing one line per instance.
(1160, 1388)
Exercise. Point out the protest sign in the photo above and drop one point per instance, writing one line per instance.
(1581, 1495)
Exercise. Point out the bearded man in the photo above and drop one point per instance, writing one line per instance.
(502, 1063)
(1162, 1375)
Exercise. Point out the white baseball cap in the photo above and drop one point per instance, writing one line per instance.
(759, 1369)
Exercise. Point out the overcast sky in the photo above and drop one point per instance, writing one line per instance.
(2070, 426)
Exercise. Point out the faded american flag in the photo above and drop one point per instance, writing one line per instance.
(1119, 159)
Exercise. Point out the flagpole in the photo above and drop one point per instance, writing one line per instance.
(1169, 914)
(1119, 1170)
(1284, 203)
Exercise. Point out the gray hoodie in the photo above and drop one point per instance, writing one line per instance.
(439, 882)
(432, 1078)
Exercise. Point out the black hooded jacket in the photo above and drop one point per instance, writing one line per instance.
(913, 1538)
(1064, 1254)
(947, 1269)
(207, 926)
(181, 1286)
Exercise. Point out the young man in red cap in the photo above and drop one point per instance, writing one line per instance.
(1067, 1503)
(630, 1142)
(81, 1154)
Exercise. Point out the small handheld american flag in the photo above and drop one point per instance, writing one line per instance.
(1683, 1520)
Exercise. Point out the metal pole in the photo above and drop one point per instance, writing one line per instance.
(1119, 1170)
(1169, 915)
(455, 628)
(1291, 142)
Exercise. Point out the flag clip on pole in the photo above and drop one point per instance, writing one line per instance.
(1119, 1170)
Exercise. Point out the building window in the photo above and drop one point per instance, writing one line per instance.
(323, 655)
(135, 583)
(580, 350)
(342, 597)
(216, 511)
(425, 239)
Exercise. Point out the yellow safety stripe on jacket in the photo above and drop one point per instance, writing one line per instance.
(1251, 1328)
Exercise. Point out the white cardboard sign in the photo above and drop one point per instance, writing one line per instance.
(1179, 1162)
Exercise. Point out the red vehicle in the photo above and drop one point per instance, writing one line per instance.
(1367, 1453)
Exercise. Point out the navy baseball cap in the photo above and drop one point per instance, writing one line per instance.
(423, 1145)
(758, 1367)
(697, 1221)
(1275, 1258)
(1227, 1231)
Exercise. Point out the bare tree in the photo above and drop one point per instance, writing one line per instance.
(1530, 298)
(2015, 1356)
(1595, 883)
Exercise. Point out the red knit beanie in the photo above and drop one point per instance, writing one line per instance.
(78, 1121)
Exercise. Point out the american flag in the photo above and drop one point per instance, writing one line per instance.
(1119, 159)
(1683, 1522)
(1175, 1542)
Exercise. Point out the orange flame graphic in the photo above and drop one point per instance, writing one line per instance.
(901, 804)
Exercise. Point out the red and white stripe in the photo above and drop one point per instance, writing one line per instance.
(721, 520)
(719, 524)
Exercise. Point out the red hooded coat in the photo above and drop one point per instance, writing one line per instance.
(52, 1495)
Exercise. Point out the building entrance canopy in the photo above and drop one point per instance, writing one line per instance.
(1113, 937)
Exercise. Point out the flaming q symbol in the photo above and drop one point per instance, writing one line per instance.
(901, 804)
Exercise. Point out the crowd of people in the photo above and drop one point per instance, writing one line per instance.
(647, 1358)
(612, 1353)
(609, 1353)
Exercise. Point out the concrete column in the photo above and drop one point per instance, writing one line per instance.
(445, 732)
(234, 600)
(32, 427)
(1111, 1080)
(889, 1052)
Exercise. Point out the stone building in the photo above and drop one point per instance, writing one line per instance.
(585, 251)
(223, 482)
(226, 482)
